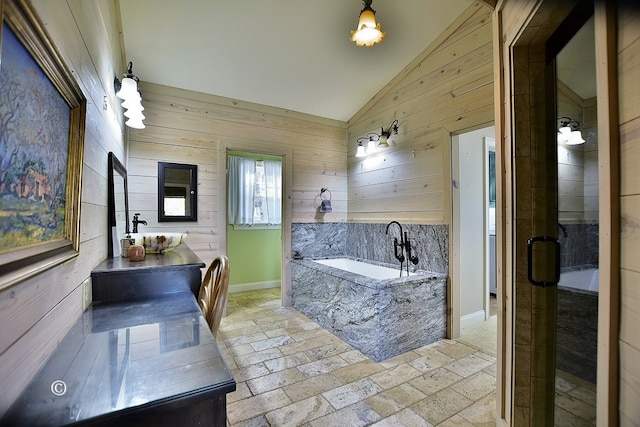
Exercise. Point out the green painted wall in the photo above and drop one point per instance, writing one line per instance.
(254, 255)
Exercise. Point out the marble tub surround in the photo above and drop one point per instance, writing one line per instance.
(577, 333)
(430, 243)
(381, 318)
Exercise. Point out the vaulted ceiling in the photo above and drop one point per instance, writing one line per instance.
(292, 54)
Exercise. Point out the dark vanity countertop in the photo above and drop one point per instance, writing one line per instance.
(181, 256)
(124, 357)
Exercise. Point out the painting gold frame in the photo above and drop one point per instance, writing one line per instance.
(24, 262)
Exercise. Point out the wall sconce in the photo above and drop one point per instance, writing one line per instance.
(569, 131)
(375, 141)
(128, 91)
(368, 32)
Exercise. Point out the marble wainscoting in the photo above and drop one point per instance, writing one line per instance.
(430, 243)
(381, 318)
(580, 245)
(318, 239)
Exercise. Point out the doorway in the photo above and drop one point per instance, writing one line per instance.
(254, 218)
(473, 229)
(534, 210)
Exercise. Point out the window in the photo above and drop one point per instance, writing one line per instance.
(254, 195)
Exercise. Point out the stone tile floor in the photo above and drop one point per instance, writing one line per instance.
(291, 372)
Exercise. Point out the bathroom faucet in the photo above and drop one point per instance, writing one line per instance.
(396, 245)
(137, 221)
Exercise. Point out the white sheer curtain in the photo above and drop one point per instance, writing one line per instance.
(273, 178)
(241, 187)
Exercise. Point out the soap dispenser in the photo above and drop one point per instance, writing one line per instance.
(126, 243)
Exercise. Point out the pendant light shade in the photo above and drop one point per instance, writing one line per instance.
(368, 32)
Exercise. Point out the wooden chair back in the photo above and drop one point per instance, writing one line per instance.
(212, 297)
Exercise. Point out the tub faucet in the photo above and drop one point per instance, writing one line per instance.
(404, 248)
(137, 221)
(399, 255)
(564, 230)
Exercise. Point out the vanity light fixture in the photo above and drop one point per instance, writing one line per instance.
(375, 141)
(368, 32)
(128, 91)
(569, 131)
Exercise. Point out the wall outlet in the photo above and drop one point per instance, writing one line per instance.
(86, 294)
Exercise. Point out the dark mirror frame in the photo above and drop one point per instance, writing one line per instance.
(192, 192)
(115, 167)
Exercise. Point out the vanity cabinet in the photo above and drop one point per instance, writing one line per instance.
(174, 271)
(141, 355)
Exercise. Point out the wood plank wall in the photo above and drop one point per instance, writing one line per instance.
(37, 313)
(629, 113)
(448, 88)
(195, 128)
(578, 164)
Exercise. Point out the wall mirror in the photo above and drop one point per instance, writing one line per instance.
(118, 205)
(177, 192)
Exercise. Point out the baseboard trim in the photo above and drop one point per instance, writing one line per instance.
(472, 319)
(254, 286)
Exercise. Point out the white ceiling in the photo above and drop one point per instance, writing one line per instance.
(292, 54)
(576, 62)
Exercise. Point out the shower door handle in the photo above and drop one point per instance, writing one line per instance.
(556, 246)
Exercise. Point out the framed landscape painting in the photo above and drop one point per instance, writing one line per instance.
(42, 115)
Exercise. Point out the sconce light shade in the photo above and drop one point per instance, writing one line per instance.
(385, 135)
(569, 132)
(368, 32)
(575, 138)
(135, 123)
(384, 141)
(360, 151)
(127, 90)
(372, 146)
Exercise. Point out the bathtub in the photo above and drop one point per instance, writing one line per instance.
(577, 323)
(584, 280)
(369, 306)
(373, 271)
